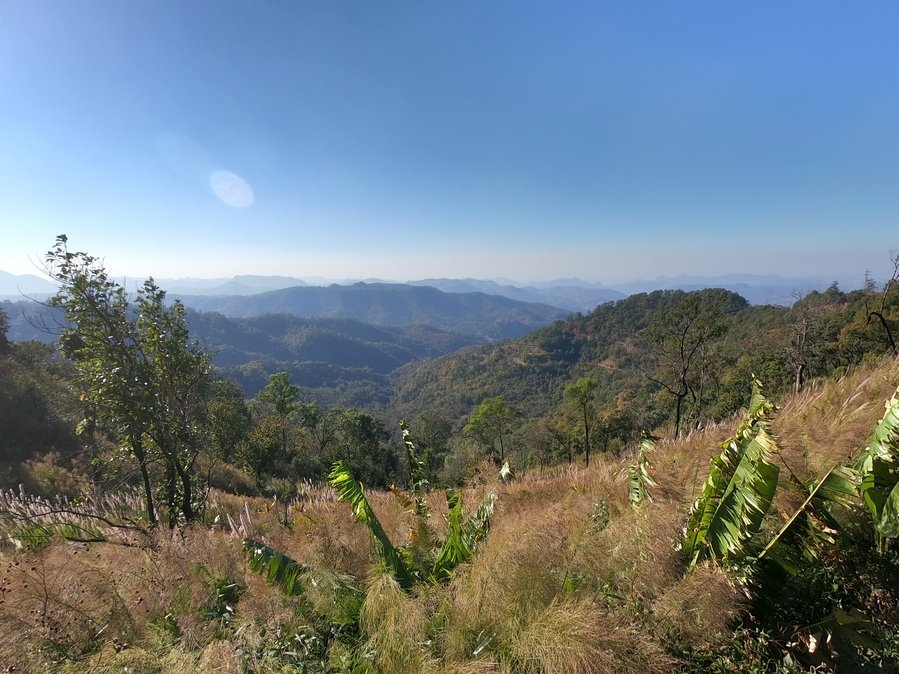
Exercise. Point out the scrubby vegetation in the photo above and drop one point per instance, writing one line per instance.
(757, 542)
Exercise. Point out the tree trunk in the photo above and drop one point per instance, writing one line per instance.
(678, 414)
(586, 442)
(187, 506)
(799, 369)
(886, 327)
(141, 456)
(170, 496)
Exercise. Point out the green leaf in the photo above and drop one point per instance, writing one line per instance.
(275, 567)
(880, 473)
(638, 476)
(812, 524)
(738, 492)
(353, 492)
(463, 537)
(888, 526)
(455, 549)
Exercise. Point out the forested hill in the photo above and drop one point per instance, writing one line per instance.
(531, 372)
(336, 361)
(632, 348)
(389, 304)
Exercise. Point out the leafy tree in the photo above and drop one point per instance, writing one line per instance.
(262, 448)
(582, 394)
(180, 374)
(228, 419)
(680, 336)
(541, 441)
(613, 422)
(362, 445)
(139, 375)
(490, 425)
(281, 394)
(317, 439)
(432, 433)
(284, 397)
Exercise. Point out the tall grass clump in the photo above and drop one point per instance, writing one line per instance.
(394, 626)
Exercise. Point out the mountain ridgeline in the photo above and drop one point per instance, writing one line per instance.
(395, 357)
(338, 361)
(392, 304)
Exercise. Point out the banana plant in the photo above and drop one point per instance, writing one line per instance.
(737, 494)
(639, 480)
(343, 600)
(352, 491)
(463, 535)
(879, 468)
(275, 567)
(812, 525)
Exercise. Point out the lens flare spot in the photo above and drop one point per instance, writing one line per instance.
(231, 189)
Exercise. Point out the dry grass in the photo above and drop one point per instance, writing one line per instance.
(575, 636)
(395, 627)
(537, 597)
(56, 603)
(571, 579)
(635, 557)
(700, 608)
(832, 420)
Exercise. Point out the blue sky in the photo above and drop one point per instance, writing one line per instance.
(527, 140)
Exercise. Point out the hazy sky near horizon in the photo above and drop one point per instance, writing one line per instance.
(402, 140)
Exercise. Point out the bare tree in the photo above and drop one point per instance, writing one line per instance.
(879, 311)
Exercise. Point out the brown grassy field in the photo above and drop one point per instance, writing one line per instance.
(571, 579)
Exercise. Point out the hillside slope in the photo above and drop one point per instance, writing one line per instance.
(572, 576)
(335, 361)
(629, 348)
(531, 372)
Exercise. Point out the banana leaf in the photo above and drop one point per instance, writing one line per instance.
(812, 524)
(638, 476)
(738, 492)
(880, 473)
(353, 492)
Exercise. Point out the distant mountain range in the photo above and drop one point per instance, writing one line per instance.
(391, 304)
(569, 294)
(583, 297)
(14, 286)
(756, 289)
(236, 285)
(337, 361)
(343, 341)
